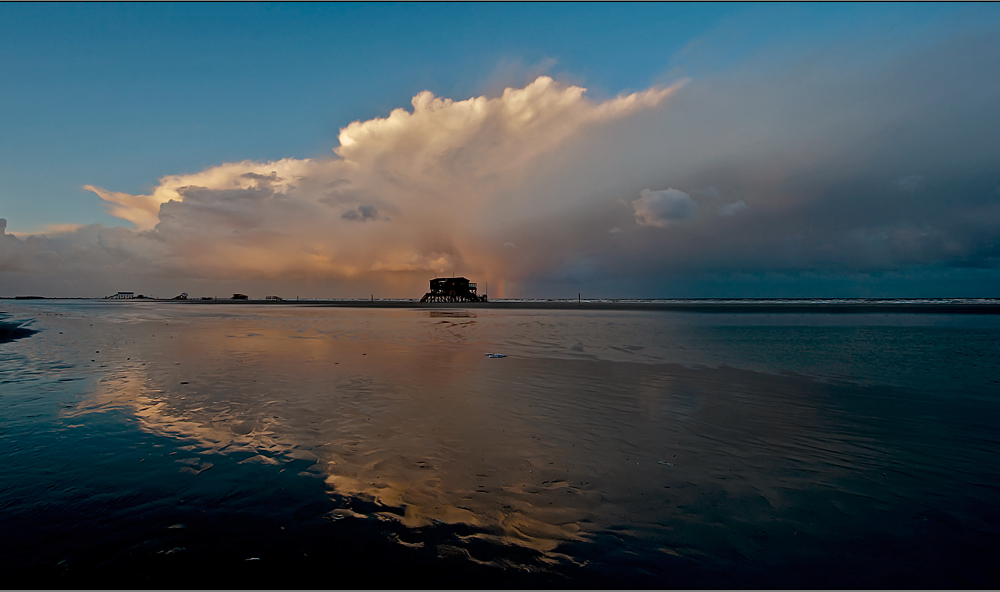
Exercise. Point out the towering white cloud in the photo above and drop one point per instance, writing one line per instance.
(483, 135)
(408, 194)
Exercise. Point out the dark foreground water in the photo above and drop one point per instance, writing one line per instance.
(172, 445)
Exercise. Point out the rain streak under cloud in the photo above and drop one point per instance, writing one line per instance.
(790, 169)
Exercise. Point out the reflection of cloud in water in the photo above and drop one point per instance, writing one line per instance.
(423, 433)
(451, 314)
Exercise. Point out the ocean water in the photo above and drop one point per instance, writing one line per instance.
(149, 444)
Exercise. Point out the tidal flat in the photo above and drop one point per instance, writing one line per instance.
(149, 444)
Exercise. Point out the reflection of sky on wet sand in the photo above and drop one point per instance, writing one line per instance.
(402, 409)
(412, 427)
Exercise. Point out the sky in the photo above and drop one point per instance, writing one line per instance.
(546, 150)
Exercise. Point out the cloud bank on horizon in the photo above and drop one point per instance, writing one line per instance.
(798, 168)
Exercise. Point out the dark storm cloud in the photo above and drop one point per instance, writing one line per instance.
(816, 167)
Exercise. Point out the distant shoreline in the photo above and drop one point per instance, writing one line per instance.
(725, 306)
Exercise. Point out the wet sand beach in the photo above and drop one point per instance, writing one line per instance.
(985, 306)
(146, 443)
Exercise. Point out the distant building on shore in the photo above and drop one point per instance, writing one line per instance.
(126, 296)
(454, 289)
(240, 297)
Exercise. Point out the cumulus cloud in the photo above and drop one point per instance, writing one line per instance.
(143, 210)
(661, 208)
(432, 178)
(733, 208)
(483, 135)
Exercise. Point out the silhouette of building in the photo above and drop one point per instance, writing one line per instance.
(458, 289)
